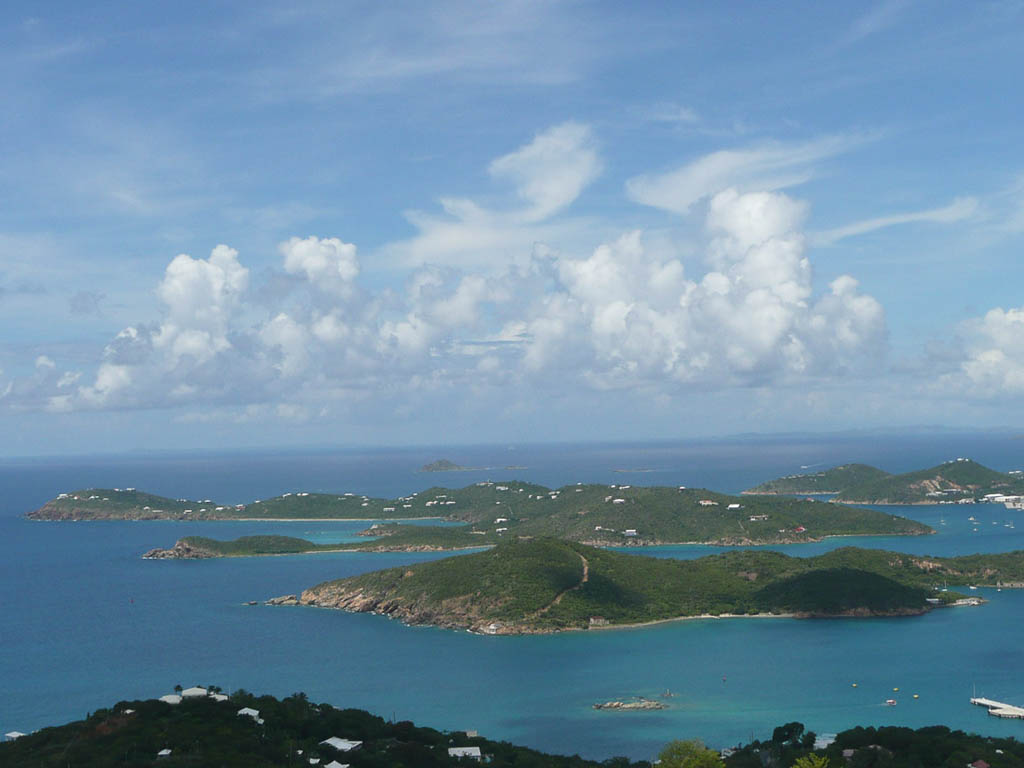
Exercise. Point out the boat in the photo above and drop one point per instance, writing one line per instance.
(890, 702)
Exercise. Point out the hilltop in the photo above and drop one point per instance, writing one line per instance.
(545, 585)
(960, 480)
(828, 481)
(204, 731)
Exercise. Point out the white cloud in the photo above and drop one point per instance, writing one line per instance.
(328, 264)
(552, 170)
(992, 364)
(765, 167)
(549, 173)
(200, 296)
(627, 316)
(961, 209)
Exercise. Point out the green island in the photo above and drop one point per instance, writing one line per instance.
(208, 728)
(547, 585)
(958, 481)
(600, 515)
(443, 465)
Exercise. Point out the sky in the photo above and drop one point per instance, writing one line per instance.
(236, 224)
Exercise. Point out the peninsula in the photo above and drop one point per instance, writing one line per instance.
(547, 585)
(958, 481)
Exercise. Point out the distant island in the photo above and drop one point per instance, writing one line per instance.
(958, 481)
(547, 585)
(443, 465)
(489, 513)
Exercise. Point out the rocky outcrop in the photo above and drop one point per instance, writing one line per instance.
(454, 613)
(180, 551)
(640, 704)
(284, 600)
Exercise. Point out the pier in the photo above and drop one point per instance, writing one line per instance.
(999, 708)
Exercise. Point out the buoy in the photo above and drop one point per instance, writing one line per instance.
(854, 685)
(895, 689)
(915, 696)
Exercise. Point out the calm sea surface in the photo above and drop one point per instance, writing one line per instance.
(84, 622)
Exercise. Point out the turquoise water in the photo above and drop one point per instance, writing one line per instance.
(85, 623)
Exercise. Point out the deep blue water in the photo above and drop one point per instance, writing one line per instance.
(84, 622)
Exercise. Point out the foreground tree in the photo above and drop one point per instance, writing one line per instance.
(690, 753)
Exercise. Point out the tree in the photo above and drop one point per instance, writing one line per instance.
(789, 733)
(690, 753)
(811, 761)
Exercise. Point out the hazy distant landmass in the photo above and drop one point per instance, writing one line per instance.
(543, 585)
(961, 480)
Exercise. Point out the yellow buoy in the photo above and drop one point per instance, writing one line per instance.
(895, 689)
(915, 696)
(854, 685)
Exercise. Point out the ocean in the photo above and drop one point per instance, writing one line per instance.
(84, 622)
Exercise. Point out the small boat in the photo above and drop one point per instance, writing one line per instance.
(890, 702)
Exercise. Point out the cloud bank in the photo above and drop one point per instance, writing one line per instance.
(623, 317)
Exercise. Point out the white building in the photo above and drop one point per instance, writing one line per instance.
(342, 745)
(171, 698)
(194, 693)
(473, 752)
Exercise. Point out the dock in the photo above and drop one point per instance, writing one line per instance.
(999, 708)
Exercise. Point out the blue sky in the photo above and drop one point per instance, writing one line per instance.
(232, 224)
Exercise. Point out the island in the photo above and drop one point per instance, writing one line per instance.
(488, 513)
(443, 465)
(547, 585)
(958, 481)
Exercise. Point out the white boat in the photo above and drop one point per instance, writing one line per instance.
(890, 702)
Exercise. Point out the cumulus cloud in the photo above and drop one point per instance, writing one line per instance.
(199, 296)
(766, 167)
(328, 264)
(622, 317)
(992, 361)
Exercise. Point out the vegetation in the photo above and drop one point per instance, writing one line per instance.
(828, 481)
(543, 585)
(196, 547)
(952, 481)
(688, 754)
(890, 747)
(602, 515)
(959, 480)
(204, 732)
(392, 538)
